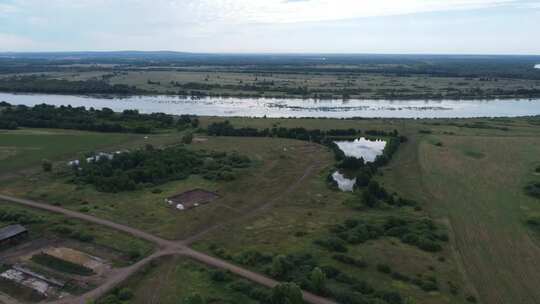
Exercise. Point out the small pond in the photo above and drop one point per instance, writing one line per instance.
(362, 147)
(359, 148)
(344, 184)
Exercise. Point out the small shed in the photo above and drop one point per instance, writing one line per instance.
(11, 234)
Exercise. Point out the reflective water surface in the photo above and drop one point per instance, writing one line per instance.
(362, 147)
(344, 184)
(291, 107)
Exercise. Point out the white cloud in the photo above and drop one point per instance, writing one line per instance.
(279, 11)
(9, 42)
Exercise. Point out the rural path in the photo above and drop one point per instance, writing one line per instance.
(165, 248)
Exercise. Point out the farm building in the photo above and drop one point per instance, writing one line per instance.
(12, 234)
(191, 199)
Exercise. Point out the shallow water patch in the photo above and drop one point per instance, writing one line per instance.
(344, 184)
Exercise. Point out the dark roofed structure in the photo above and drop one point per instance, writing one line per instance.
(12, 233)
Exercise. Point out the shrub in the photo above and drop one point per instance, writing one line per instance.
(82, 236)
(219, 276)
(384, 268)
(46, 166)
(125, 294)
(187, 138)
(349, 260)
(332, 243)
(471, 299)
(533, 189)
(194, 299)
(286, 293)
(318, 279)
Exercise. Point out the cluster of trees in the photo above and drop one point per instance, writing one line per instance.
(80, 118)
(43, 84)
(421, 233)
(304, 270)
(148, 167)
(8, 125)
(187, 121)
(371, 194)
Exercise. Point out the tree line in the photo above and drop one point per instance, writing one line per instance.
(42, 84)
(81, 118)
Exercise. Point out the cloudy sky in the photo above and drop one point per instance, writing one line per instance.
(329, 26)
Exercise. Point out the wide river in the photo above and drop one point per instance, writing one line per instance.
(258, 107)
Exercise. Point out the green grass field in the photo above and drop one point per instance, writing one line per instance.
(276, 164)
(468, 175)
(474, 183)
(172, 279)
(27, 147)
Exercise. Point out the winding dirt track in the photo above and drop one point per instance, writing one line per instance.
(165, 248)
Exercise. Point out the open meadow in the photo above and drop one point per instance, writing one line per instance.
(466, 178)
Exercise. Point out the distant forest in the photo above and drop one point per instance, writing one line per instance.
(396, 65)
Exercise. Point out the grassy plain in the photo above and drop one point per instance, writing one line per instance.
(474, 182)
(325, 83)
(276, 164)
(471, 184)
(28, 147)
(172, 279)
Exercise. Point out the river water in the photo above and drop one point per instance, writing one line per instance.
(258, 107)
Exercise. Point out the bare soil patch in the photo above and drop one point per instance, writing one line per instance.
(192, 198)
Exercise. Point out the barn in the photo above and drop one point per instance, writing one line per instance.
(11, 234)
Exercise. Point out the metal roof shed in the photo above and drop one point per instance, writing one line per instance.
(12, 231)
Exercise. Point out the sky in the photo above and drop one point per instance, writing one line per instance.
(273, 26)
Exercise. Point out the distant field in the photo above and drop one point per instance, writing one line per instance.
(325, 84)
(328, 85)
